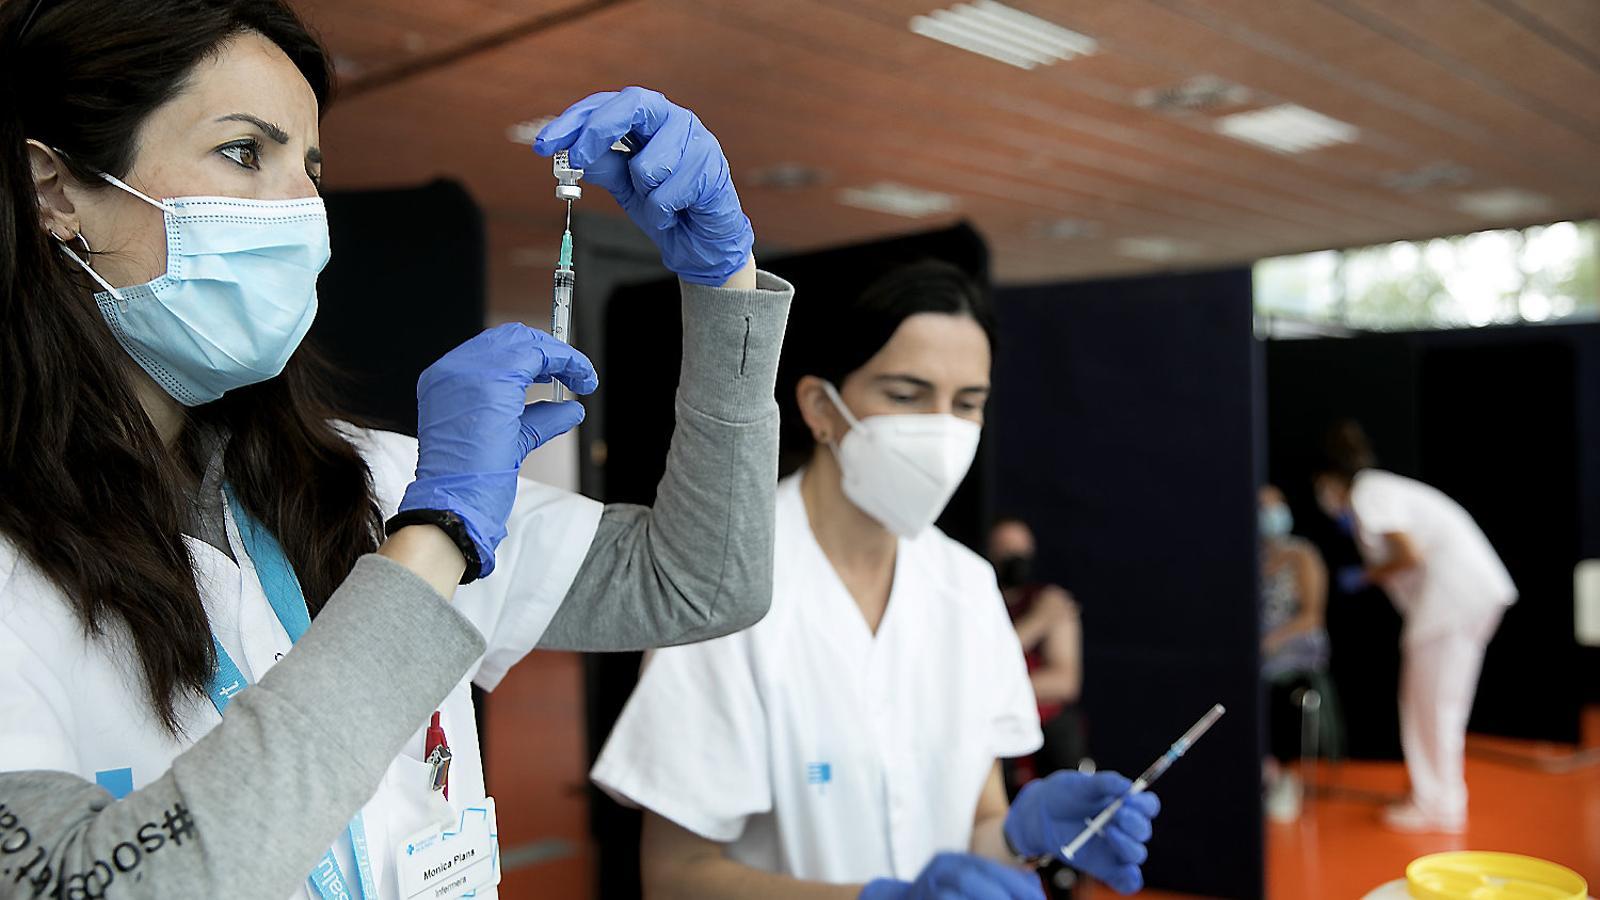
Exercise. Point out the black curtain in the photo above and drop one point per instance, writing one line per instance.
(405, 285)
(1507, 422)
(1125, 425)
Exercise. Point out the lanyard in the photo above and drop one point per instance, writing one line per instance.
(283, 591)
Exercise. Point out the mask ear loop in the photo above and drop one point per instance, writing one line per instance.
(838, 403)
(114, 180)
(67, 249)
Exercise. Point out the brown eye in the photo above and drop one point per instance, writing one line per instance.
(245, 154)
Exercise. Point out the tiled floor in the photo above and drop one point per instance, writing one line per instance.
(1337, 851)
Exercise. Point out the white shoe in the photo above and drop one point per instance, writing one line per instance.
(1283, 798)
(1408, 817)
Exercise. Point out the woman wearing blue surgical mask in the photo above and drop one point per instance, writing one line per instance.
(1294, 648)
(251, 624)
(847, 746)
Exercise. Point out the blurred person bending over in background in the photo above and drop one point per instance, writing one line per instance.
(1451, 590)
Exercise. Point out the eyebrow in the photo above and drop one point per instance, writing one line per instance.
(924, 384)
(313, 155)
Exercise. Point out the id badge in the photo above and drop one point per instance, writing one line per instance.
(456, 859)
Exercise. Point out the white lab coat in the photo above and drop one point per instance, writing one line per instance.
(818, 749)
(77, 705)
(1451, 603)
(1461, 581)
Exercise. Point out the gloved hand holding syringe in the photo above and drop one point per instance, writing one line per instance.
(1143, 782)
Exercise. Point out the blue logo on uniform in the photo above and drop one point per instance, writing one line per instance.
(819, 774)
(117, 782)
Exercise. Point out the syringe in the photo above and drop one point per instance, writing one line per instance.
(561, 299)
(1143, 782)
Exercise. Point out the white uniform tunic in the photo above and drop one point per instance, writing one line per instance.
(1461, 581)
(818, 749)
(79, 706)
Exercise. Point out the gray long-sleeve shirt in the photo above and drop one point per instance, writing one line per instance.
(248, 809)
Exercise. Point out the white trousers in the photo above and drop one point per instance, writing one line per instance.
(1438, 679)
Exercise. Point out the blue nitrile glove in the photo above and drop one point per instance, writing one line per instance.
(1352, 579)
(475, 426)
(1049, 813)
(677, 188)
(959, 875)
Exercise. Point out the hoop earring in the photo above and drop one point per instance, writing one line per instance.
(85, 242)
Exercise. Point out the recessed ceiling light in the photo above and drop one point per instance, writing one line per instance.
(1000, 32)
(1504, 204)
(1433, 175)
(1155, 249)
(1198, 94)
(1068, 229)
(524, 132)
(898, 200)
(786, 177)
(1287, 128)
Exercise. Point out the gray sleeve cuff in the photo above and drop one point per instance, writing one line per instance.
(731, 342)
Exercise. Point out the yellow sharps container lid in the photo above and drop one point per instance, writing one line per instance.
(1481, 875)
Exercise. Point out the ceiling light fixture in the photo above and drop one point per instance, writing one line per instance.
(898, 200)
(787, 176)
(1002, 33)
(1201, 93)
(1287, 128)
(1068, 229)
(1156, 249)
(1504, 204)
(1433, 175)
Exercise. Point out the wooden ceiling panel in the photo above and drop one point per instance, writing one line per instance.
(1571, 27)
(842, 87)
(1501, 54)
(1276, 48)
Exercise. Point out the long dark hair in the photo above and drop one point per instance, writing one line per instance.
(88, 492)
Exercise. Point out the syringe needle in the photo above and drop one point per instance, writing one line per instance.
(569, 215)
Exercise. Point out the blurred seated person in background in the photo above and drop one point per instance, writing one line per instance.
(1051, 634)
(1046, 619)
(1450, 588)
(1294, 644)
(848, 745)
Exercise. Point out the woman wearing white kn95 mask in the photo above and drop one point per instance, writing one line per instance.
(847, 745)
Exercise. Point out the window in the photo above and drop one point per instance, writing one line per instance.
(1537, 274)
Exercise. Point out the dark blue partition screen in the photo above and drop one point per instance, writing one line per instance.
(1125, 429)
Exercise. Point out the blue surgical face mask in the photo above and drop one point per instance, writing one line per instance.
(1276, 521)
(238, 295)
